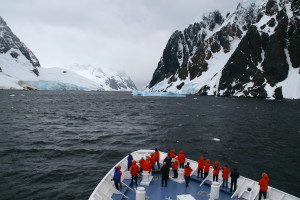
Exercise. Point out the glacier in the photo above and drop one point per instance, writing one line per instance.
(20, 69)
(157, 94)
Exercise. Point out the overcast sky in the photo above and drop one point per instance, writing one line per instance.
(129, 35)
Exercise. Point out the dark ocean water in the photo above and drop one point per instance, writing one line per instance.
(59, 144)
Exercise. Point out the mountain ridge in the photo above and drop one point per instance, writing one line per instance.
(244, 54)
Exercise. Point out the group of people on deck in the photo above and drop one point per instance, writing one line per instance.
(203, 171)
(175, 162)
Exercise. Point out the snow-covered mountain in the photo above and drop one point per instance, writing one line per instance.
(252, 52)
(20, 69)
(108, 79)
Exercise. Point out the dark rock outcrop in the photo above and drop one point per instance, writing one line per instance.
(181, 47)
(268, 37)
(10, 42)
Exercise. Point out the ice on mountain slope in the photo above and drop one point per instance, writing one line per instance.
(108, 79)
(254, 22)
(19, 73)
(21, 69)
(209, 77)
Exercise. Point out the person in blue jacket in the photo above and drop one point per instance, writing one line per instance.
(129, 161)
(116, 178)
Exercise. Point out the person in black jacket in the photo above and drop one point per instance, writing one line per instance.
(164, 174)
(168, 160)
(234, 176)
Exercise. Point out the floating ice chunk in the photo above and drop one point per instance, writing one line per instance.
(216, 139)
(12, 95)
(157, 94)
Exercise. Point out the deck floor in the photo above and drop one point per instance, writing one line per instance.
(156, 192)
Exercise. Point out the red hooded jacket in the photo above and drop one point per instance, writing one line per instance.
(217, 168)
(156, 155)
(172, 153)
(263, 183)
(175, 165)
(206, 166)
(147, 165)
(134, 169)
(200, 163)
(152, 160)
(187, 171)
(181, 157)
(119, 167)
(226, 172)
(142, 163)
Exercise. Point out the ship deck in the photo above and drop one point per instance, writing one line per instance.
(154, 191)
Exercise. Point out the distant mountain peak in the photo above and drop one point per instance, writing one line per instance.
(108, 79)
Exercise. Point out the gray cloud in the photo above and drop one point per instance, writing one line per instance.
(122, 34)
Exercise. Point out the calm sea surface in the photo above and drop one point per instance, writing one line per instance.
(59, 144)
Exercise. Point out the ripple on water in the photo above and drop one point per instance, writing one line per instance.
(51, 147)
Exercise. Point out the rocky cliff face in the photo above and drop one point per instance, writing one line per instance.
(253, 52)
(11, 44)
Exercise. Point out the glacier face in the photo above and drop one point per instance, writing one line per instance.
(252, 53)
(20, 69)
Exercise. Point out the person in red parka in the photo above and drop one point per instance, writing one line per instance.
(157, 157)
(225, 176)
(181, 159)
(217, 169)
(200, 167)
(141, 161)
(187, 174)
(134, 169)
(263, 183)
(152, 161)
(147, 165)
(206, 168)
(175, 168)
(172, 153)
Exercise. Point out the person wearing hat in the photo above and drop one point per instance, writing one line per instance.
(116, 178)
(181, 159)
(134, 169)
(263, 183)
(217, 169)
(225, 176)
(200, 167)
(187, 174)
(206, 168)
(129, 161)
